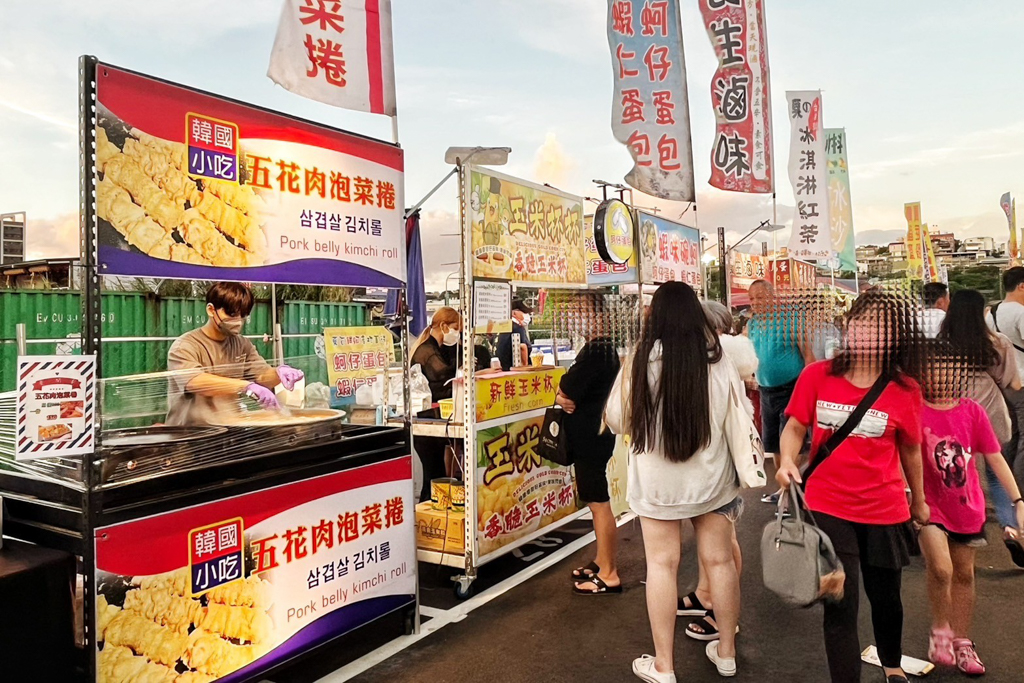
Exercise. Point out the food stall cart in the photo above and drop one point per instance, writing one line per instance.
(533, 237)
(225, 550)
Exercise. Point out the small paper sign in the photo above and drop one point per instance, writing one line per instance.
(56, 406)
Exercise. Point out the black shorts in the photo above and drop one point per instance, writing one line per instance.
(975, 540)
(774, 401)
(591, 469)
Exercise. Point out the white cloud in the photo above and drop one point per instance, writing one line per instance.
(52, 238)
(551, 164)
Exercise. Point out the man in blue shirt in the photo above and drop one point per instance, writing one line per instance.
(775, 329)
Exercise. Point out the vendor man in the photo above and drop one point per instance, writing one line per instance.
(214, 365)
(521, 318)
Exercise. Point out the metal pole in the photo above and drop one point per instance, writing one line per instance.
(92, 315)
(722, 270)
(20, 338)
(274, 327)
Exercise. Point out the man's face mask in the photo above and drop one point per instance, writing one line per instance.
(229, 327)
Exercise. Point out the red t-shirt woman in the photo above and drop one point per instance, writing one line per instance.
(858, 493)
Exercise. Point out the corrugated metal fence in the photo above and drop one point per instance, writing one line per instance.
(142, 326)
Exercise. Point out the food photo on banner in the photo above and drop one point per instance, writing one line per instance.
(518, 491)
(225, 590)
(670, 251)
(194, 186)
(650, 104)
(525, 232)
(741, 157)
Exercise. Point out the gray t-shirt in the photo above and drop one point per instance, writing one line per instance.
(1010, 321)
(193, 353)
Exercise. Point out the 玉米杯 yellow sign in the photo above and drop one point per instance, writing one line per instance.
(524, 232)
(510, 393)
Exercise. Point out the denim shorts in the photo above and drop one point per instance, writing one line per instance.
(731, 510)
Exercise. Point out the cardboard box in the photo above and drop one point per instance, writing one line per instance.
(440, 530)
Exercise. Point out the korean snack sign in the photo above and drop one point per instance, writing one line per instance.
(599, 271)
(515, 392)
(808, 174)
(741, 157)
(195, 186)
(670, 252)
(356, 356)
(55, 406)
(518, 492)
(650, 105)
(231, 588)
(524, 232)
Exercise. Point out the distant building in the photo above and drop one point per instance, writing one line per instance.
(981, 246)
(12, 238)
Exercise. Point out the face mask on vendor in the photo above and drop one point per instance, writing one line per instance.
(451, 337)
(227, 326)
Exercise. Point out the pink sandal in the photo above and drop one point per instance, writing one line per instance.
(967, 659)
(940, 647)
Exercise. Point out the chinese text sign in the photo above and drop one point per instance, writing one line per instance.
(56, 404)
(670, 252)
(812, 231)
(338, 53)
(650, 106)
(741, 157)
(840, 204)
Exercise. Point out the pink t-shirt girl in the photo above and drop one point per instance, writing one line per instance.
(952, 439)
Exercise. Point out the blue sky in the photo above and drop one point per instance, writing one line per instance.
(927, 91)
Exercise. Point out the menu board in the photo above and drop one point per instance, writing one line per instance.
(56, 406)
(670, 252)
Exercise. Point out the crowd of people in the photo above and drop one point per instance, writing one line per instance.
(934, 384)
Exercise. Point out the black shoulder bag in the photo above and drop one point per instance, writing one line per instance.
(839, 436)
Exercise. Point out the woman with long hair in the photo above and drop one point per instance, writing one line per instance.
(428, 352)
(991, 368)
(672, 399)
(857, 494)
(737, 348)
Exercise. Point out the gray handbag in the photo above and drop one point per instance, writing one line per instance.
(798, 561)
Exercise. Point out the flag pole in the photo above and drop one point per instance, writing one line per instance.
(394, 128)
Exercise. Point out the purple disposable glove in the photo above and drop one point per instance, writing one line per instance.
(265, 397)
(289, 376)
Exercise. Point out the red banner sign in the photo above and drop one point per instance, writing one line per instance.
(741, 158)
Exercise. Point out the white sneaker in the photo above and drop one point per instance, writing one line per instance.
(726, 665)
(643, 667)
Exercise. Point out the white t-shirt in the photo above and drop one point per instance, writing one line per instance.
(931, 321)
(1011, 323)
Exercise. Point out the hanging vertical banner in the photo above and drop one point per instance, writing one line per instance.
(1009, 208)
(840, 207)
(650, 107)
(812, 232)
(342, 56)
(741, 158)
(929, 254)
(914, 241)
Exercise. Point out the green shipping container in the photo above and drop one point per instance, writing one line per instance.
(310, 318)
(56, 316)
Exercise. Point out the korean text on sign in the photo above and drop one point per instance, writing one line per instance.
(650, 109)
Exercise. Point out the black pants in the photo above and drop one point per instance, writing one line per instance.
(431, 454)
(877, 554)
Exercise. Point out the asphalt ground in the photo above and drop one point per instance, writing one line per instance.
(540, 631)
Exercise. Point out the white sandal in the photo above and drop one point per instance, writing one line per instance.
(726, 665)
(643, 667)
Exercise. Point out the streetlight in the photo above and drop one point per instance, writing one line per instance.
(490, 156)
